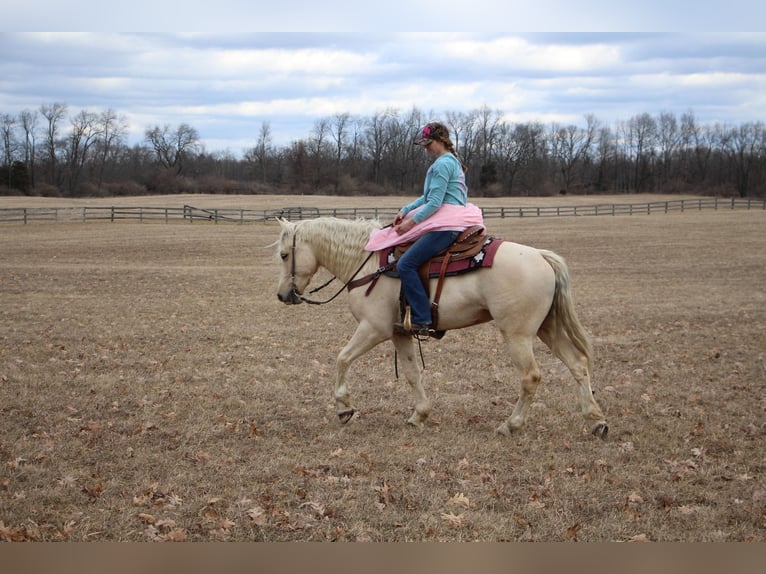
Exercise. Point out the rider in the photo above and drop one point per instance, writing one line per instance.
(444, 185)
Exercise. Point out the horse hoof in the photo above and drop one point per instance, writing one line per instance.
(346, 416)
(600, 430)
(503, 430)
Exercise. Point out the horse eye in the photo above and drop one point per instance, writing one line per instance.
(283, 256)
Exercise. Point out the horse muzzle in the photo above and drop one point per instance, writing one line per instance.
(292, 298)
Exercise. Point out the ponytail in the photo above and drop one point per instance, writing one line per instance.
(451, 148)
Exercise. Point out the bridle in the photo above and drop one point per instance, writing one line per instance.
(348, 285)
(300, 297)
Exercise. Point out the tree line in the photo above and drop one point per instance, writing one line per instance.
(49, 151)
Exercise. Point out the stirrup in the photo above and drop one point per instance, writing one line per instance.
(418, 330)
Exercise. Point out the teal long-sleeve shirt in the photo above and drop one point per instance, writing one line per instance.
(444, 183)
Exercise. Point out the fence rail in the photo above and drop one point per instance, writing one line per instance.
(231, 215)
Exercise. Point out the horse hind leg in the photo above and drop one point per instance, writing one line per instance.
(579, 365)
(410, 366)
(522, 355)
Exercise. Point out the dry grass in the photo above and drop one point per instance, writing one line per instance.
(153, 388)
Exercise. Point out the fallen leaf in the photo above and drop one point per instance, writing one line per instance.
(384, 490)
(315, 506)
(95, 490)
(165, 524)
(639, 538)
(226, 524)
(455, 521)
(147, 518)
(175, 535)
(258, 516)
(460, 499)
(571, 533)
(152, 534)
(12, 534)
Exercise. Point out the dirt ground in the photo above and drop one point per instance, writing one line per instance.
(152, 388)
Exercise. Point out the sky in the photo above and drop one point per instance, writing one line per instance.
(226, 80)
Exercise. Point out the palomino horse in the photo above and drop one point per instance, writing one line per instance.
(526, 292)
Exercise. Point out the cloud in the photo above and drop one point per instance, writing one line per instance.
(226, 85)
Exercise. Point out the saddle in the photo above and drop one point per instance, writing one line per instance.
(468, 244)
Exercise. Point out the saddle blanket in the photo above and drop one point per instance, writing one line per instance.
(483, 258)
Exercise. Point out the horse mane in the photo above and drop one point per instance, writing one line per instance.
(338, 243)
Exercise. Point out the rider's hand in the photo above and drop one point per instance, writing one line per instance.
(404, 226)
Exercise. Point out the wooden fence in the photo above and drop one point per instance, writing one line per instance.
(231, 215)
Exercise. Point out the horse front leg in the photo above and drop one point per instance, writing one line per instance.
(365, 338)
(413, 372)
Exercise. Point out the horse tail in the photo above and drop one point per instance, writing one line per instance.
(562, 318)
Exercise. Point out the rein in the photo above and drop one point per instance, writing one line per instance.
(311, 301)
(373, 277)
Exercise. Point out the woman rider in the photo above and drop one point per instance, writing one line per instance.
(444, 186)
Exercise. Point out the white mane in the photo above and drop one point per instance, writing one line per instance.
(337, 243)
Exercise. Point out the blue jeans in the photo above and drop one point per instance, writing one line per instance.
(424, 248)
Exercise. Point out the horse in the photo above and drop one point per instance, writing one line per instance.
(526, 292)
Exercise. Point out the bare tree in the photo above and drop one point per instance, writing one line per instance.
(605, 157)
(28, 121)
(112, 128)
(83, 136)
(355, 147)
(516, 152)
(668, 140)
(53, 113)
(260, 152)
(338, 127)
(463, 129)
(570, 146)
(376, 141)
(637, 139)
(745, 145)
(318, 145)
(173, 147)
(7, 124)
(698, 143)
(400, 151)
(488, 122)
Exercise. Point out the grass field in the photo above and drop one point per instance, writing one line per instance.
(153, 388)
